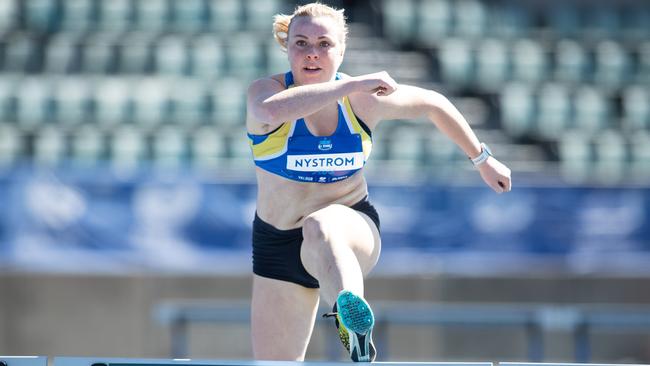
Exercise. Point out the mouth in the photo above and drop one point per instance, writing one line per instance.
(311, 69)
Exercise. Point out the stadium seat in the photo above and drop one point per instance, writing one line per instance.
(640, 155)
(228, 101)
(576, 156)
(171, 56)
(115, 15)
(239, 151)
(169, 147)
(492, 64)
(276, 59)
(207, 147)
(136, 53)
(434, 22)
(643, 68)
(602, 21)
(189, 15)
(21, 53)
(456, 62)
(189, 102)
(33, 101)
(87, 145)
(591, 109)
(259, 14)
(406, 148)
(563, 19)
(49, 146)
(151, 15)
(398, 20)
(41, 15)
(529, 63)
(150, 101)
(127, 147)
(112, 97)
(71, 100)
(635, 101)
(99, 54)
(226, 16)
(207, 57)
(517, 109)
(245, 58)
(572, 63)
(612, 65)
(470, 18)
(78, 15)
(509, 20)
(554, 111)
(440, 150)
(61, 54)
(8, 14)
(610, 156)
(635, 20)
(7, 93)
(10, 144)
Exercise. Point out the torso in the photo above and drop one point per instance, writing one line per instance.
(284, 203)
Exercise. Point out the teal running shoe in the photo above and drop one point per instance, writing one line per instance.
(354, 321)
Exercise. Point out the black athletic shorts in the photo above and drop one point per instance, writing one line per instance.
(276, 253)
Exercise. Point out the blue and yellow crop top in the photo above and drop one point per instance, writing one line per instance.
(292, 152)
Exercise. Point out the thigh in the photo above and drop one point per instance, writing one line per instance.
(353, 228)
(282, 319)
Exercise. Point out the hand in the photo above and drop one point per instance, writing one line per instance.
(379, 83)
(496, 175)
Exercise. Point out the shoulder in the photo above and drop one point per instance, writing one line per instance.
(258, 91)
(273, 83)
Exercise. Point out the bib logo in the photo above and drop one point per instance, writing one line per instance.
(325, 144)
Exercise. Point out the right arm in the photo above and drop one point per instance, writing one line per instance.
(269, 104)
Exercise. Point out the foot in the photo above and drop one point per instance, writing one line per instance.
(355, 320)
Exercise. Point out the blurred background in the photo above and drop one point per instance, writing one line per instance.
(126, 178)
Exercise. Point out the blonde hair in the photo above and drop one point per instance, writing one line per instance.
(282, 22)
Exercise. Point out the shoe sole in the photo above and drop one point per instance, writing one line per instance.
(357, 317)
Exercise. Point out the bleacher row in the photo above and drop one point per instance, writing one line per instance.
(240, 54)
(489, 63)
(572, 77)
(157, 67)
(426, 22)
(159, 16)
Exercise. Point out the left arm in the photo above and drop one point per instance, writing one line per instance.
(408, 102)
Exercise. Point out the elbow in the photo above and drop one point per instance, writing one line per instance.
(437, 105)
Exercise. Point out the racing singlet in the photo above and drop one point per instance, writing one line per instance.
(292, 152)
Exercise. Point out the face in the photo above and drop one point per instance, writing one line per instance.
(315, 49)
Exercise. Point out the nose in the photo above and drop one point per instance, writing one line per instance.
(312, 54)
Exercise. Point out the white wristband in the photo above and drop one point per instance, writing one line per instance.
(483, 156)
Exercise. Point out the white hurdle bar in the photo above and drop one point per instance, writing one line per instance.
(87, 361)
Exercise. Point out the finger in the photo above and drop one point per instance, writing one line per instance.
(497, 187)
(508, 185)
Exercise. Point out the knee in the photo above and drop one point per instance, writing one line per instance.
(318, 228)
(314, 228)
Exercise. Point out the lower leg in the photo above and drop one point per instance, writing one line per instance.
(334, 264)
(282, 319)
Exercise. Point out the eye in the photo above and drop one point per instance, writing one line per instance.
(325, 44)
(301, 43)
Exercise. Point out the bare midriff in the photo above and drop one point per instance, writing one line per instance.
(284, 203)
